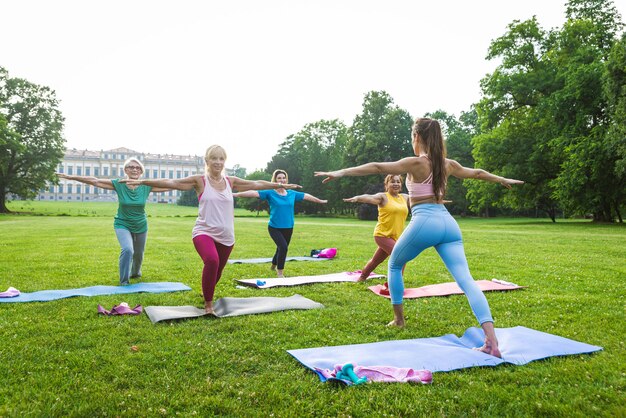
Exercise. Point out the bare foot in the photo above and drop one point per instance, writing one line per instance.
(490, 348)
(208, 307)
(396, 323)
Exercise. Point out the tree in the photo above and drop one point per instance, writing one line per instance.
(188, 198)
(382, 132)
(254, 205)
(31, 142)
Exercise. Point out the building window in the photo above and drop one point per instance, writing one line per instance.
(88, 171)
(60, 168)
(96, 171)
(186, 173)
(87, 189)
(106, 171)
(121, 171)
(70, 170)
(112, 156)
(178, 174)
(79, 171)
(78, 188)
(51, 197)
(106, 156)
(69, 198)
(60, 188)
(155, 173)
(171, 174)
(96, 190)
(51, 189)
(162, 174)
(171, 193)
(69, 188)
(86, 197)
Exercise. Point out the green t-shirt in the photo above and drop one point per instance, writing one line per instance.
(131, 214)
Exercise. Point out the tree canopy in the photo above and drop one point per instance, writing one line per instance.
(31, 141)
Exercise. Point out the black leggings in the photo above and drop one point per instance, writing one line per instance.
(281, 237)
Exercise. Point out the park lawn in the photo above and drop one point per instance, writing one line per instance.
(61, 359)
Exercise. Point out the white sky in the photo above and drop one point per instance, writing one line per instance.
(177, 76)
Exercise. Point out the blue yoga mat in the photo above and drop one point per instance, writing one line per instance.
(518, 345)
(48, 295)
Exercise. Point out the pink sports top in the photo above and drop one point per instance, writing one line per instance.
(216, 214)
(420, 190)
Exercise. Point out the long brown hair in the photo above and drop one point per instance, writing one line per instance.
(431, 138)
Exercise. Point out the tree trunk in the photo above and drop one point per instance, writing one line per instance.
(3, 203)
(619, 215)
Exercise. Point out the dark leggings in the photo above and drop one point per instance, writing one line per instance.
(281, 237)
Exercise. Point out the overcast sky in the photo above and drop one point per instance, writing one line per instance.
(177, 76)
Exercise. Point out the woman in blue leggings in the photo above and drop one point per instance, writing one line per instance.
(431, 225)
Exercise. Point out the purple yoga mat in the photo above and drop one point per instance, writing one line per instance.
(121, 309)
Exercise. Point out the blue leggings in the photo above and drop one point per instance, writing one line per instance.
(432, 226)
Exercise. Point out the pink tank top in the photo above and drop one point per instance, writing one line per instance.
(420, 190)
(216, 214)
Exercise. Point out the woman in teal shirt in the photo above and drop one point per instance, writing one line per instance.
(282, 203)
(131, 223)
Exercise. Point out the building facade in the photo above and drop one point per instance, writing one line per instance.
(110, 164)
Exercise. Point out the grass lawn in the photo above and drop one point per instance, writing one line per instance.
(61, 359)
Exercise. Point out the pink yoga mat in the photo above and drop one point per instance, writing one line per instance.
(445, 289)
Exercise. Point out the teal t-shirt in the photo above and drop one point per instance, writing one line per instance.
(131, 212)
(281, 207)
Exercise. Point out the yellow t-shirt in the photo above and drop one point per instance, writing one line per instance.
(391, 217)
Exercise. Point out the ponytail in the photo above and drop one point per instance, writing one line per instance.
(430, 134)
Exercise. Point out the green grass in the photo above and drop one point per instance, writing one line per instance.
(61, 359)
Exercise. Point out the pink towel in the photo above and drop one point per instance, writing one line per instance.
(11, 292)
(121, 309)
(387, 374)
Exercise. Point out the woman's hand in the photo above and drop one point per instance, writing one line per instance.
(288, 186)
(330, 175)
(508, 182)
(62, 175)
(351, 199)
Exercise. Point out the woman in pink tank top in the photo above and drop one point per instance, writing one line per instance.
(431, 225)
(214, 232)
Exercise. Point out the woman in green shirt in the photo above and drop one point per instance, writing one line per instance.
(131, 223)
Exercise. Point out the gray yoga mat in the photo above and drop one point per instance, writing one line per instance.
(225, 307)
(269, 260)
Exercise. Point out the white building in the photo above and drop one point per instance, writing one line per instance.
(110, 164)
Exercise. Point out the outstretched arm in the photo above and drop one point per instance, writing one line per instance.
(242, 185)
(311, 198)
(94, 181)
(457, 170)
(187, 183)
(249, 193)
(397, 167)
(372, 199)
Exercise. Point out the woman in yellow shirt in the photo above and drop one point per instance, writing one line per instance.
(393, 208)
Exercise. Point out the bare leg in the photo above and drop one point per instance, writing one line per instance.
(280, 274)
(208, 307)
(398, 316)
(491, 342)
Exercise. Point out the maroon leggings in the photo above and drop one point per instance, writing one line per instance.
(385, 245)
(214, 255)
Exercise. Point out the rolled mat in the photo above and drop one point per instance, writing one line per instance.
(48, 295)
(446, 289)
(518, 345)
(269, 260)
(346, 276)
(226, 307)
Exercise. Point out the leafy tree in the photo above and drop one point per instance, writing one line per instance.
(382, 132)
(239, 171)
(188, 198)
(318, 146)
(31, 142)
(254, 205)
